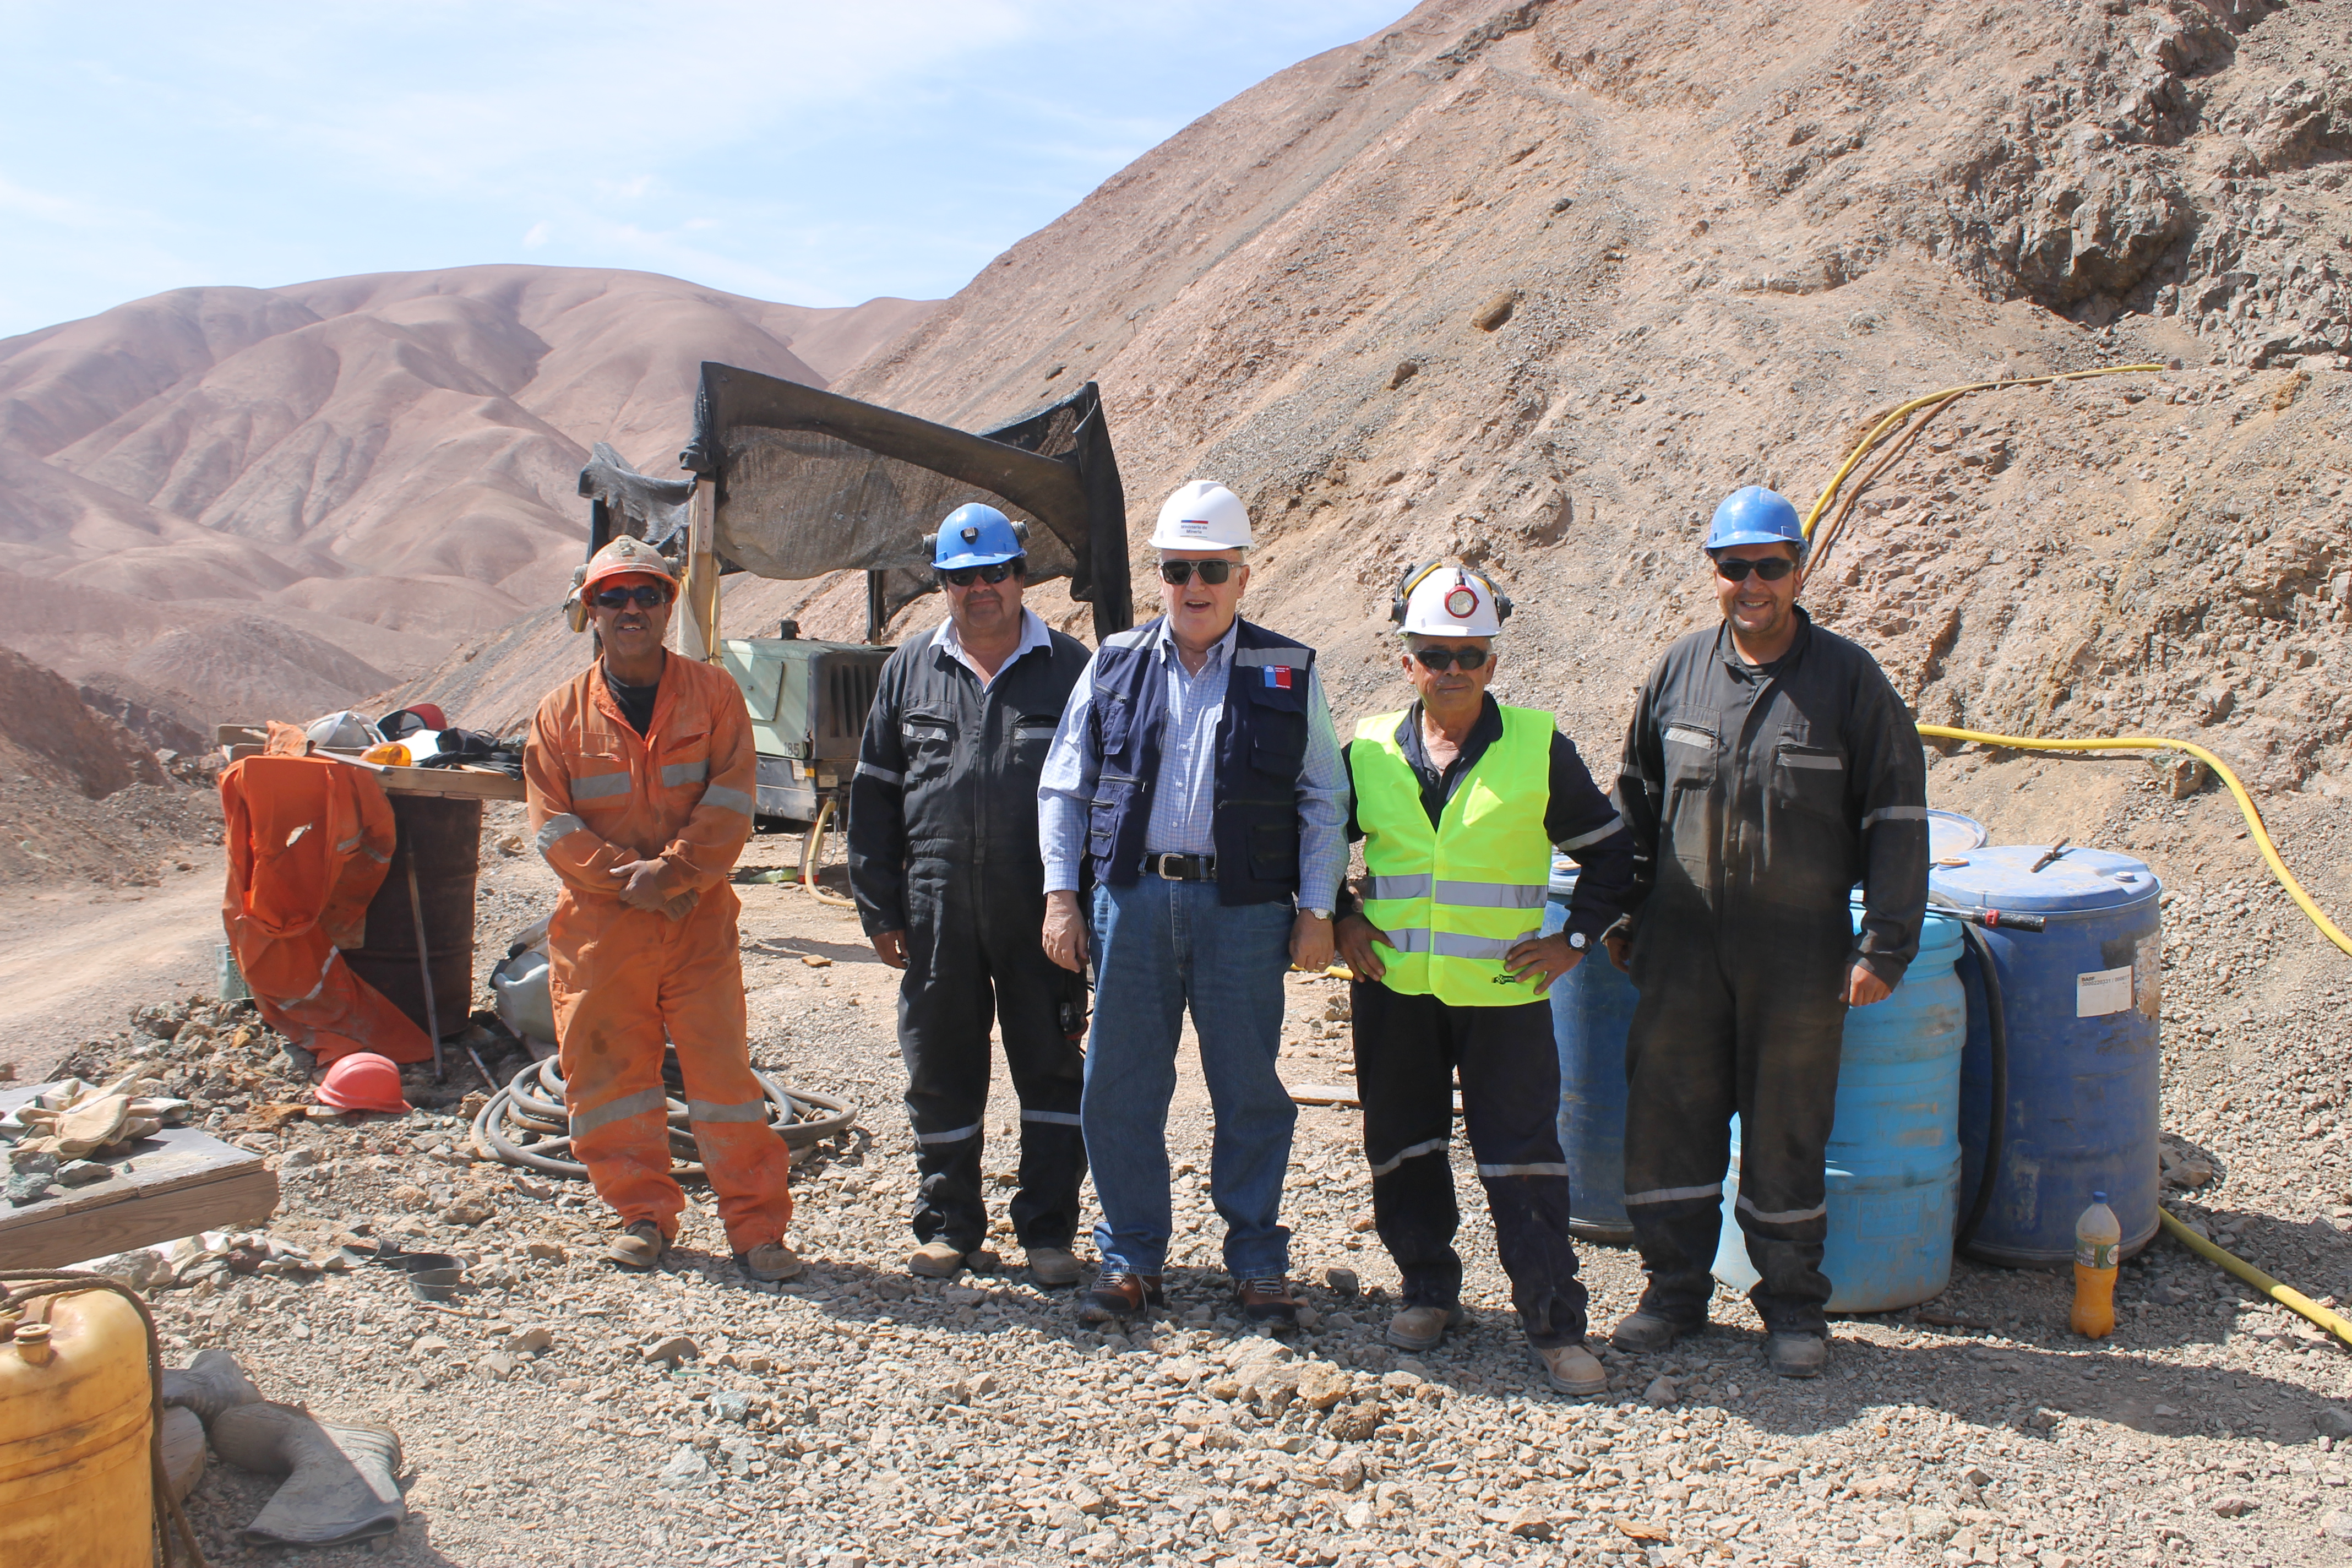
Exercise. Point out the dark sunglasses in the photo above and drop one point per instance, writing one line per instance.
(1181, 571)
(1735, 568)
(646, 594)
(962, 576)
(1444, 659)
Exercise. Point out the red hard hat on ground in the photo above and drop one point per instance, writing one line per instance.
(364, 1081)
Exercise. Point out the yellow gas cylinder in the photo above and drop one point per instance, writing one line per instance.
(75, 1487)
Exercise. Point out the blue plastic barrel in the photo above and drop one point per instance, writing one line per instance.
(1949, 834)
(1894, 1153)
(1590, 1011)
(2086, 1063)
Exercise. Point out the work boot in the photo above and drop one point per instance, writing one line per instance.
(936, 1261)
(769, 1261)
(639, 1246)
(210, 1384)
(1268, 1301)
(1571, 1370)
(1797, 1355)
(183, 1451)
(339, 1477)
(1118, 1296)
(1055, 1268)
(1420, 1328)
(1645, 1332)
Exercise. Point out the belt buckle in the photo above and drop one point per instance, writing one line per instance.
(1165, 874)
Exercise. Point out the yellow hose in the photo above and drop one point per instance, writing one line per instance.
(2160, 743)
(1861, 448)
(2291, 1300)
(812, 852)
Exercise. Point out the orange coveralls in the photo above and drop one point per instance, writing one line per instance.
(600, 796)
(308, 841)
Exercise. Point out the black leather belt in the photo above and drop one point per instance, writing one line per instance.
(1182, 868)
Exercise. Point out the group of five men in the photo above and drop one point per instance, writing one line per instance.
(1175, 811)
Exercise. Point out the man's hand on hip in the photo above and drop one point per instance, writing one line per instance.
(1621, 952)
(1542, 959)
(1862, 987)
(890, 947)
(1355, 936)
(1310, 941)
(1065, 931)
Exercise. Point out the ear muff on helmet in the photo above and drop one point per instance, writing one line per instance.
(1406, 585)
(575, 606)
(1412, 578)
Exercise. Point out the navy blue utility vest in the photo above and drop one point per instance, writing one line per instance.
(1261, 750)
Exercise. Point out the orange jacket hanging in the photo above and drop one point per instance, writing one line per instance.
(308, 841)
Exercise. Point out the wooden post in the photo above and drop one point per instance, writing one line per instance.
(697, 632)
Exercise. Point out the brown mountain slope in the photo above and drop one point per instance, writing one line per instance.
(278, 500)
(1719, 239)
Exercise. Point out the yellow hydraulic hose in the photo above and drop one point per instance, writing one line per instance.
(2291, 1300)
(2159, 744)
(1878, 432)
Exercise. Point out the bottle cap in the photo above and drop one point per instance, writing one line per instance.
(2098, 1197)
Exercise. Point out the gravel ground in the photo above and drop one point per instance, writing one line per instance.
(857, 1415)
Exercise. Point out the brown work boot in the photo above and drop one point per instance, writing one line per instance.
(1055, 1268)
(1268, 1301)
(1571, 1370)
(769, 1261)
(936, 1261)
(1116, 1297)
(1420, 1328)
(640, 1245)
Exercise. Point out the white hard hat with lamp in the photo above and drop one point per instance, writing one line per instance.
(1438, 600)
(1201, 515)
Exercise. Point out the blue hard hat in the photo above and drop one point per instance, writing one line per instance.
(1754, 515)
(976, 535)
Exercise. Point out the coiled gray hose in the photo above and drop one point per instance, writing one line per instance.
(533, 1106)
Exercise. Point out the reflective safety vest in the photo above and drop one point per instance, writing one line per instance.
(1455, 898)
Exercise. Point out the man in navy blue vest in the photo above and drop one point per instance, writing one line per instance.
(1195, 785)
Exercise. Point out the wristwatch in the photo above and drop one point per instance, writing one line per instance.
(1318, 914)
(1578, 940)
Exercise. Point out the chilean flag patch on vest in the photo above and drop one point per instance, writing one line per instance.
(1278, 675)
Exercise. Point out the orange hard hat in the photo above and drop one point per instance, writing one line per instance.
(364, 1081)
(626, 557)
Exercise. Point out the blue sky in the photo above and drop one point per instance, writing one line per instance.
(815, 154)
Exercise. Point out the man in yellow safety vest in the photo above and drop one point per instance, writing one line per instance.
(1460, 803)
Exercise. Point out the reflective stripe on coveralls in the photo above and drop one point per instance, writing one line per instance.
(602, 797)
(1454, 898)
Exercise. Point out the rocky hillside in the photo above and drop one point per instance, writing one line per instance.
(239, 502)
(1537, 283)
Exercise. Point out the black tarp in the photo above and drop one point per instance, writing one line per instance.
(809, 482)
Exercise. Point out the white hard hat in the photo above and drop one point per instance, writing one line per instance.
(1201, 515)
(345, 731)
(1442, 601)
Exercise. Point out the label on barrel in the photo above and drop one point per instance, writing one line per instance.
(2099, 992)
(2096, 1255)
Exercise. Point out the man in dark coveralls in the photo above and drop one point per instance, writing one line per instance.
(943, 859)
(1769, 769)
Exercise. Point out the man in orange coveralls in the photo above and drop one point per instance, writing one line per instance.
(639, 774)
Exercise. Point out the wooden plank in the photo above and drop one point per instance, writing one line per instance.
(180, 1181)
(452, 784)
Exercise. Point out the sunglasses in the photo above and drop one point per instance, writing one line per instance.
(962, 576)
(647, 594)
(1444, 659)
(1735, 568)
(1181, 571)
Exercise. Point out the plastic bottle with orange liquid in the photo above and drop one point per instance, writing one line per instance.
(2098, 1239)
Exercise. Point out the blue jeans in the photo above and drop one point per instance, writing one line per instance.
(1159, 946)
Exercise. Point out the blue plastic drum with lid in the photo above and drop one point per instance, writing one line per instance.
(1591, 1012)
(2082, 1002)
